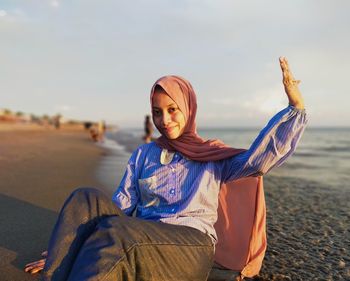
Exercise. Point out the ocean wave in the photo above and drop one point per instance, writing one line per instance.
(296, 166)
(111, 144)
(337, 148)
(129, 140)
(308, 154)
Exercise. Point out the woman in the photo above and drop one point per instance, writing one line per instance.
(147, 138)
(172, 186)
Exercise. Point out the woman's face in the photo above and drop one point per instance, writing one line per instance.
(167, 117)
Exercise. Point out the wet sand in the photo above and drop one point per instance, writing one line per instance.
(308, 228)
(38, 170)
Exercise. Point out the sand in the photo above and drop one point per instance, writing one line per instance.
(38, 170)
(308, 231)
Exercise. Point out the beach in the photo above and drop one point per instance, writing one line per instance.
(38, 169)
(307, 221)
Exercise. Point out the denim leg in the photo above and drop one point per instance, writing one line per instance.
(127, 248)
(78, 218)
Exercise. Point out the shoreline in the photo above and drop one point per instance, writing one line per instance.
(112, 166)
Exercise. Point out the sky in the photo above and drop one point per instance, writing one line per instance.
(94, 60)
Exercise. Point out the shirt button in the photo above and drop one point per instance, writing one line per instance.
(172, 169)
(172, 191)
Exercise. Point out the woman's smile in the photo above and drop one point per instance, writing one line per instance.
(170, 129)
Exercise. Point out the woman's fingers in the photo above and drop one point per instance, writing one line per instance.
(35, 266)
(284, 66)
(282, 63)
(288, 78)
(286, 72)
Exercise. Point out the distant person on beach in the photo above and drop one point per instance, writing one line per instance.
(101, 129)
(94, 133)
(148, 129)
(172, 186)
(87, 125)
(57, 121)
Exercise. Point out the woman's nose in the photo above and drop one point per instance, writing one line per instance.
(166, 119)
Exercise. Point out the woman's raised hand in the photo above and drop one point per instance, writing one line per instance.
(36, 266)
(291, 85)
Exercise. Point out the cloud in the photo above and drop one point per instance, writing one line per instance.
(55, 3)
(267, 101)
(3, 13)
(64, 108)
(264, 101)
(225, 101)
(13, 15)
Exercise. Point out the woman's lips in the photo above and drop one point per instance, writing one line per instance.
(169, 129)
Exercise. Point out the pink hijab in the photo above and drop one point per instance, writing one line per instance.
(190, 144)
(241, 214)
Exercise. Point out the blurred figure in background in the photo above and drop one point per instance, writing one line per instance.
(101, 128)
(148, 129)
(93, 133)
(57, 121)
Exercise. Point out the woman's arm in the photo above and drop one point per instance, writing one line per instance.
(277, 141)
(126, 195)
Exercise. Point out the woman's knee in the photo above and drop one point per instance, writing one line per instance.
(85, 191)
(82, 194)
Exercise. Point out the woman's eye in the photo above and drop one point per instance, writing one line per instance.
(172, 109)
(156, 112)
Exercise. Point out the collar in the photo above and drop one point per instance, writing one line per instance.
(166, 156)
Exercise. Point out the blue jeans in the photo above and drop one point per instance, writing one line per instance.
(94, 240)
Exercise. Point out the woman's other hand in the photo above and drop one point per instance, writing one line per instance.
(291, 85)
(36, 266)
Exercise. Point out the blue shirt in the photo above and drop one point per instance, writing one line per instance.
(168, 187)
